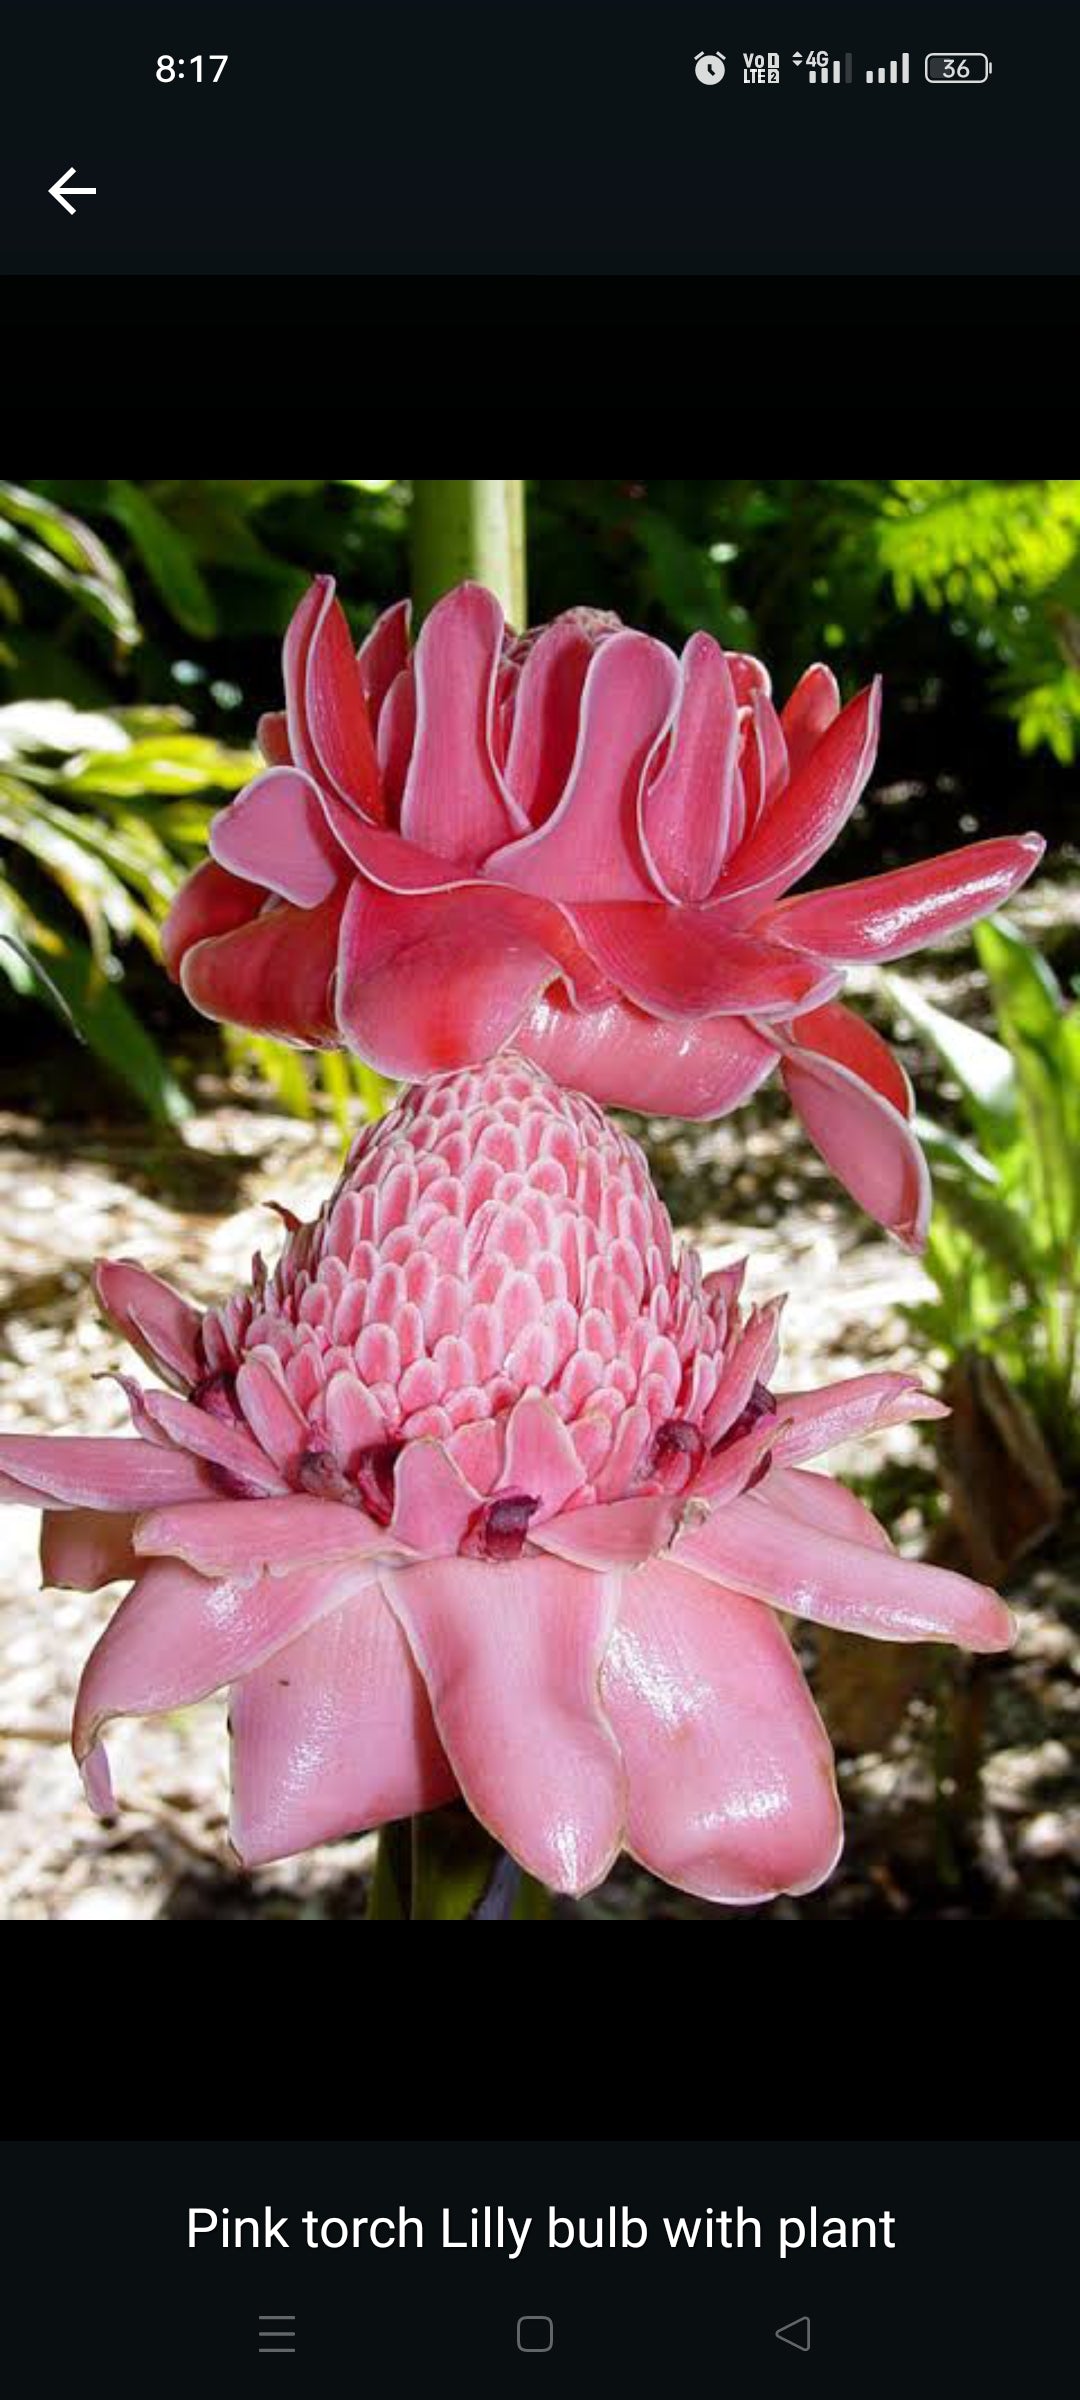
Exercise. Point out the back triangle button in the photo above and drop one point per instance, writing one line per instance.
(797, 2334)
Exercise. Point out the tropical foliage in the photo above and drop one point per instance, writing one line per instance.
(795, 570)
(101, 816)
(104, 810)
(1004, 1244)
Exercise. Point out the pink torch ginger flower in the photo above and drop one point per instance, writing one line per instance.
(486, 1489)
(579, 845)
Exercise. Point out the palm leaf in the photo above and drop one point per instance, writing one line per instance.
(61, 548)
(109, 1027)
(167, 557)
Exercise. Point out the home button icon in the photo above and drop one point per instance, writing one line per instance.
(535, 2333)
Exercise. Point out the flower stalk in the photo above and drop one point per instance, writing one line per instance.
(469, 533)
(444, 1865)
(461, 532)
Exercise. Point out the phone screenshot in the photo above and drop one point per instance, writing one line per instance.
(539, 1185)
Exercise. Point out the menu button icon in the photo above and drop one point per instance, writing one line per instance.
(277, 2334)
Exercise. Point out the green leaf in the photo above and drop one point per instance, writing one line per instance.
(66, 536)
(946, 1149)
(1069, 1050)
(1048, 713)
(240, 495)
(129, 846)
(377, 1092)
(998, 1231)
(983, 1068)
(1025, 988)
(1004, 1243)
(18, 927)
(285, 1072)
(215, 524)
(86, 880)
(969, 542)
(142, 717)
(111, 1029)
(30, 977)
(337, 1084)
(30, 726)
(62, 549)
(172, 764)
(182, 824)
(168, 560)
(1031, 1015)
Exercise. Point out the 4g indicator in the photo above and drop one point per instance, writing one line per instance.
(174, 70)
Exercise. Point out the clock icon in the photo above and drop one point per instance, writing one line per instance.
(709, 66)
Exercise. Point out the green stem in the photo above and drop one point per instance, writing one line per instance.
(444, 1865)
(391, 1885)
(448, 1866)
(454, 1863)
(459, 1870)
(469, 533)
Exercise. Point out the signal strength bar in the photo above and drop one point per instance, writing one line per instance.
(881, 75)
(830, 72)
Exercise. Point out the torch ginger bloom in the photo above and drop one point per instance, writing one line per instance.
(577, 844)
(486, 1489)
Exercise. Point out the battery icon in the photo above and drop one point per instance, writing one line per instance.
(957, 66)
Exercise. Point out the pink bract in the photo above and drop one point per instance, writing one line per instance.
(577, 844)
(486, 1489)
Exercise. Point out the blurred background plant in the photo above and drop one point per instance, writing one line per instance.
(926, 575)
(102, 814)
(1004, 1243)
(104, 808)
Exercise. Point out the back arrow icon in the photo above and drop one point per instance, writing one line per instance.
(63, 185)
